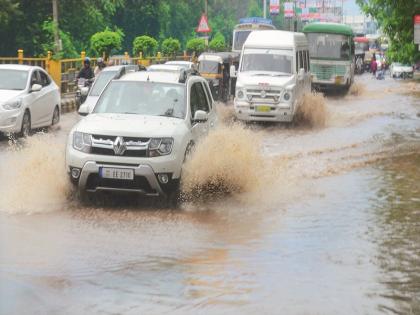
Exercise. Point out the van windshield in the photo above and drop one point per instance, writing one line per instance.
(271, 60)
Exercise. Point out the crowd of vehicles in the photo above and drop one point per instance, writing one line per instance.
(141, 124)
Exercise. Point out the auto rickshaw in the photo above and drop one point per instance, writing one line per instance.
(215, 68)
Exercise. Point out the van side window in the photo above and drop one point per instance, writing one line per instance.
(301, 64)
(308, 61)
(297, 62)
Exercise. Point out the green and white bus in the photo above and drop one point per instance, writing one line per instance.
(331, 52)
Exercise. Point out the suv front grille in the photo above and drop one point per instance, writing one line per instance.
(106, 145)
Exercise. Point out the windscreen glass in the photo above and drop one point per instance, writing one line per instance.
(13, 79)
(206, 66)
(329, 46)
(239, 39)
(267, 60)
(143, 98)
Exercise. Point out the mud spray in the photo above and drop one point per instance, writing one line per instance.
(33, 176)
(312, 111)
(357, 89)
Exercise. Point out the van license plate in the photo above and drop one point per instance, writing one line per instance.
(116, 173)
(263, 109)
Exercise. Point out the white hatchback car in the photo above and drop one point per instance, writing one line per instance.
(139, 133)
(29, 99)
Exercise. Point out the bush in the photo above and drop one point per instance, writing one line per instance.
(218, 43)
(145, 44)
(107, 41)
(197, 45)
(170, 46)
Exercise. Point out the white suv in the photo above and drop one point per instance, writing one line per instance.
(139, 133)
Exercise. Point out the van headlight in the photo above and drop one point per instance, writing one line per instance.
(160, 146)
(14, 104)
(287, 96)
(82, 141)
(240, 94)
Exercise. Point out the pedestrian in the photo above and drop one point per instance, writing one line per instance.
(373, 65)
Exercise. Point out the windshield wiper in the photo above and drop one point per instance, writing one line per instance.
(169, 112)
(282, 74)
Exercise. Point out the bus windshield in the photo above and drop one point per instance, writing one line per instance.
(329, 46)
(240, 38)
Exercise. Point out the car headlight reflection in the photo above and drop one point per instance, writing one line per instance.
(160, 146)
(11, 105)
(82, 141)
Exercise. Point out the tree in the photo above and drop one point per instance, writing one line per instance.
(145, 44)
(218, 43)
(197, 45)
(9, 8)
(396, 21)
(68, 50)
(170, 46)
(107, 41)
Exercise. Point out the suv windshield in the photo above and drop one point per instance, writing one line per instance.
(329, 46)
(101, 81)
(143, 98)
(13, 79)
(273, 60)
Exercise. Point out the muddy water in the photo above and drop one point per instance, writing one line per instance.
(332, 229)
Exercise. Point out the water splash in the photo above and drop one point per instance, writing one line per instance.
(33, 175)
(312, 111)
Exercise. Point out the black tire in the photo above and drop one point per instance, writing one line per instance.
(173, 196)
(83, 197)
(56, 116)
(25, 129)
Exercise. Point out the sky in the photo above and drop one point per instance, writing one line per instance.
(351, 8)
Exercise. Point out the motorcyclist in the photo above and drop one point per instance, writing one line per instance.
(86, 72)
(100, 64)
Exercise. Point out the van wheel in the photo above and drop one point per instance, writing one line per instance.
(56, 116)
(25, 130)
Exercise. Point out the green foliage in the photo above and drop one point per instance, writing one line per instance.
(218, 43)
(107, 41)
(197, 45)
(396, 21)
(170, 46)
(145, 44)
(68, 50)
(9, 8)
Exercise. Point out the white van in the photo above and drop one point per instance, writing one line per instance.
(273, 76)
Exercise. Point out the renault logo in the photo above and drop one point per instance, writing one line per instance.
(119, 146)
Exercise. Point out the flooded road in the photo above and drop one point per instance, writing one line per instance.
(327, 221)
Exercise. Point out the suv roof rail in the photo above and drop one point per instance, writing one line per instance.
(185, 73)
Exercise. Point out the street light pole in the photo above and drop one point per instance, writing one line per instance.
(265, 8)
(57, 47)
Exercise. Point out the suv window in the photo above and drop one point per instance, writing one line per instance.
(45, 81)
(198, 99)
(206, 88)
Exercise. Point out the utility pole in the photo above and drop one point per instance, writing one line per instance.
(206, 8)
(265, 8)
(57, 45)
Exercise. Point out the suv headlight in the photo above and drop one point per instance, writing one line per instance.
(240, 94)
(82, 141)
(160, 146)
(11, 105)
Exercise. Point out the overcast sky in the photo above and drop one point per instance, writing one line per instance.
(351, 8)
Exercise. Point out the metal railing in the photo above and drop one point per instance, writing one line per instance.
(64, 71)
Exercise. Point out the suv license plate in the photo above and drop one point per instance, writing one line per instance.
(116, 173)
(263, 109)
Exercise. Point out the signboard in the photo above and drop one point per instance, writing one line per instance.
(255, 20)
(417, 29)
(274, 7)
(288, 9)
(203, 25)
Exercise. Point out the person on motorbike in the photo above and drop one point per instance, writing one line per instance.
(86, 72)
(100, 64)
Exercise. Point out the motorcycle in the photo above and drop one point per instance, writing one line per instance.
(83, 87)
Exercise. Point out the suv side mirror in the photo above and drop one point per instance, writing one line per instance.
(36, 87)
(200, 116)
(84, 90)
(232, 71)
(84, 110)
